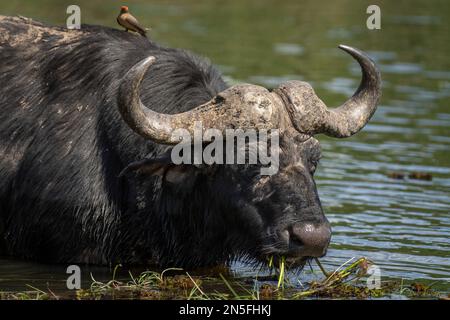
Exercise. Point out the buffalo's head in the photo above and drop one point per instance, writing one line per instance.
(273, 215)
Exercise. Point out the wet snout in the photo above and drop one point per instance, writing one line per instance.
(308, 239)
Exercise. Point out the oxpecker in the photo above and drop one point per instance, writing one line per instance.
(126, 20)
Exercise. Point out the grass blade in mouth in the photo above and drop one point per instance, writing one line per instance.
(271, 262)
(281, 275)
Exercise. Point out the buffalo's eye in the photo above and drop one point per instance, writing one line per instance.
(218, 99)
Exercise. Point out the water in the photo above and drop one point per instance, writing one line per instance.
(402, 225)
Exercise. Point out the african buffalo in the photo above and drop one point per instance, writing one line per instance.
(79, 106)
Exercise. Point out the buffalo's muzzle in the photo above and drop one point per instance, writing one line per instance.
(308, 239)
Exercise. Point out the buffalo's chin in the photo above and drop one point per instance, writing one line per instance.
(298, 262)
(290, 262)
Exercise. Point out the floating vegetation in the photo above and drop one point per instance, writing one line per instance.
(25, 295)
(396, 175)
(420, 176)
(33, 294)
(415, 175)
(349, 281)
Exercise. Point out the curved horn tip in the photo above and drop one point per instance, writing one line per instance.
(353, 51)
(346, 48)
(359, 55)
(147, 62)
(135, 75)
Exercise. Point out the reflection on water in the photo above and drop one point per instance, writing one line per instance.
(402, 225)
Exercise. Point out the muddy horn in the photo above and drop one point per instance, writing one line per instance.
(249, 106)
(242, 106)
(310, 115)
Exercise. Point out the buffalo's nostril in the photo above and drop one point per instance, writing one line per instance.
(312, 240)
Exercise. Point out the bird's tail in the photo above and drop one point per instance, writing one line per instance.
(142, 32)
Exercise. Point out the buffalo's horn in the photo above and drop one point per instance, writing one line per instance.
(311, 116)
(242, 106)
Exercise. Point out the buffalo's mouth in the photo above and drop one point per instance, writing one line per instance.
(290, 262)
(297, 243)
(275, 258)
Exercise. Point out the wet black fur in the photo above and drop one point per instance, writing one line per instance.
(63, 145)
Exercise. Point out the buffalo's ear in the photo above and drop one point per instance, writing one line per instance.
(155, 166)
(161, 166)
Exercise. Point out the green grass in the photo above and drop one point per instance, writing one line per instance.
(346, 282)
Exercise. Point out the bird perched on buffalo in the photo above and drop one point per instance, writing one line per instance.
(126, 20)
